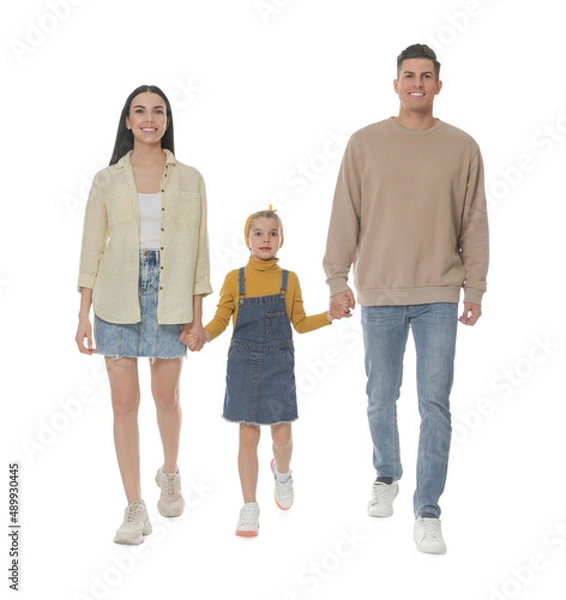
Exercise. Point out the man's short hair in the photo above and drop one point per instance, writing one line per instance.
(419, 51)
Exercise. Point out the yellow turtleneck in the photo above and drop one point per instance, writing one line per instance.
(263, 278)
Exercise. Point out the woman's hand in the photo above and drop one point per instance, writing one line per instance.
(195, 336)
(84, 331)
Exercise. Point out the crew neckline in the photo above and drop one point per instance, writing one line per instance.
(436, 126)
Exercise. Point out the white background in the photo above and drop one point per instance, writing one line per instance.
(265, 96)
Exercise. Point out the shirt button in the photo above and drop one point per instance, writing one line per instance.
(162, 190)
(162, 208)
(160, 287)
(162, 229)
(161, 248)
(161, 268)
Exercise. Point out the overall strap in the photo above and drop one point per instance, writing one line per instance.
(241, 280)
(285, 274)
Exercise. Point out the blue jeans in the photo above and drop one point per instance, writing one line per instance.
(385, 331)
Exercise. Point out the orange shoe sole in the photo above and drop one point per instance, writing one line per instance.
(279, 505)
(245, 533)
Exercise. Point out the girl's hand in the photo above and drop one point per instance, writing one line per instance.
(195, 336)
(340, 305)
(84, 330)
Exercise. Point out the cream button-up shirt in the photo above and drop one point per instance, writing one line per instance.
(109, 263)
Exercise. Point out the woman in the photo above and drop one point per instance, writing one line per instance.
(145, 268)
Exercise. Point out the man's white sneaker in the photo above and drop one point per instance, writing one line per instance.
(136, 524)
(248, 523)
(284, 492)
(428, 536)
(171, 503)
(382, 496)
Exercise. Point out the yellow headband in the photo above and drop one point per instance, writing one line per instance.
(250, 219)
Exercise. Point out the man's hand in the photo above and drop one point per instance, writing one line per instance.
(341, 304)
(471, 313)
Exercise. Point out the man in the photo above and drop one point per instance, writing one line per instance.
(409, 213)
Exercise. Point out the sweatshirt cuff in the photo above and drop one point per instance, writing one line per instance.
(473, 295)
(338, 285)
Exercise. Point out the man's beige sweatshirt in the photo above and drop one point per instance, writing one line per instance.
(410, 214)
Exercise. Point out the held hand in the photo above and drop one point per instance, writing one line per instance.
(195, 336)
(84, 330)
(471, 313)
(340, 304)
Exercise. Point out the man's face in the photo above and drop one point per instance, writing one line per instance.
(417, 85)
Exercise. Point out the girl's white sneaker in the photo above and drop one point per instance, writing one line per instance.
(248, 523)
(284, 491)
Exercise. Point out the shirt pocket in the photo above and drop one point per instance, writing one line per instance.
(120, 209)
(186, 209)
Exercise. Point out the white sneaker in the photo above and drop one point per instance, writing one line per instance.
(428, 536)
(284, 492)
(171, 503)
(248, 523)
(382, 496)
(136, 524)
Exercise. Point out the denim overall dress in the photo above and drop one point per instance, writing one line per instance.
(260, 378)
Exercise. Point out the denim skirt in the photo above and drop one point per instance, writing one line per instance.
(148, 337)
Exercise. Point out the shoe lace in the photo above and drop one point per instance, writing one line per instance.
(132, 511)
(249, 514)
(431, 527)
(382, 493)
(170, 485)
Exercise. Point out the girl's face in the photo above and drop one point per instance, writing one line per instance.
(147, 118)
(264, 239)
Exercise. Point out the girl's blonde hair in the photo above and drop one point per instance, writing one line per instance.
(270, 213)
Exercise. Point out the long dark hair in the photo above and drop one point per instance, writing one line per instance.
(124, 136)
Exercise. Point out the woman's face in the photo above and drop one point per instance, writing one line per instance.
(147, 118)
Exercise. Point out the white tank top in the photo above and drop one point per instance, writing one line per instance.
(150, 220)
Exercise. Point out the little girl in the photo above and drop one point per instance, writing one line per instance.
(263, 301)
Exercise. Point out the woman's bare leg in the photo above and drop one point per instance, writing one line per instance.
(165, 379)
(125, 393)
